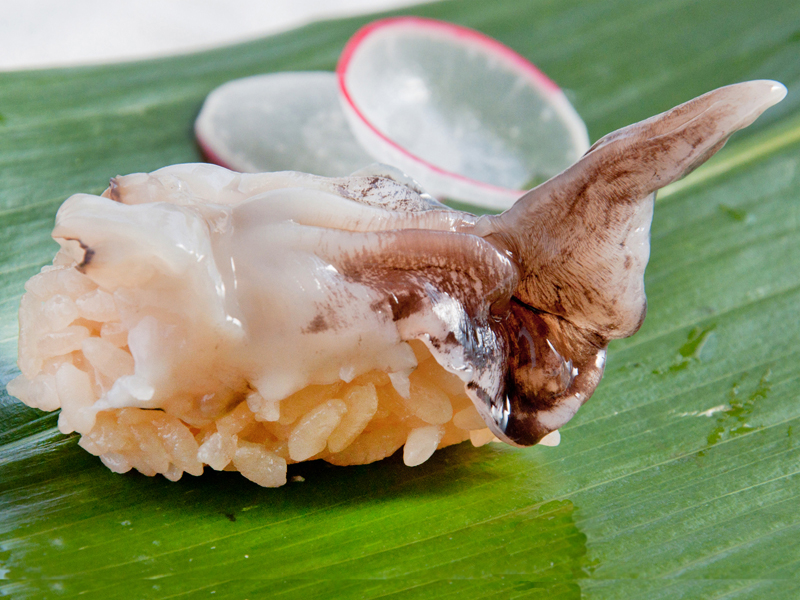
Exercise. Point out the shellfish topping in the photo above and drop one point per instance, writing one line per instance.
(197, 316)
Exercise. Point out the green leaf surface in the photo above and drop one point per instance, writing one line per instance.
(679, 479)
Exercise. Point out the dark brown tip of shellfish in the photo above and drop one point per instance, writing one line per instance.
(112, 191)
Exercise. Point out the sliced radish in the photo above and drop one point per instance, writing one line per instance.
(461, 113)
(281, 121)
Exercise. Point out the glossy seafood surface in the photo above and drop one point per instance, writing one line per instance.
(230, 290)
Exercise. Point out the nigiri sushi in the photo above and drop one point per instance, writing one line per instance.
(197, 316)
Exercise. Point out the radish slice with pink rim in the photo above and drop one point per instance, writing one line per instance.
(464, 115)
(281, 121)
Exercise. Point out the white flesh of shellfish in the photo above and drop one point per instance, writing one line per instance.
(231, 284)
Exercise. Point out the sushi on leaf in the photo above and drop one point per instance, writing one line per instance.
(198, 316)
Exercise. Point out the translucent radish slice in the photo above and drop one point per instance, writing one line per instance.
(465, 116)
(281, 121)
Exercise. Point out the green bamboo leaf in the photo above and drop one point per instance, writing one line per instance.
(679, 479)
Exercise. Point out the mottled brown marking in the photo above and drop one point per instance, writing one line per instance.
(88, 254)
(382, 191)
(113, 191)
(317, 325)
(543, 352)
(403, 305)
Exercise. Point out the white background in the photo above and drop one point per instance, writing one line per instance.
(51, 33)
